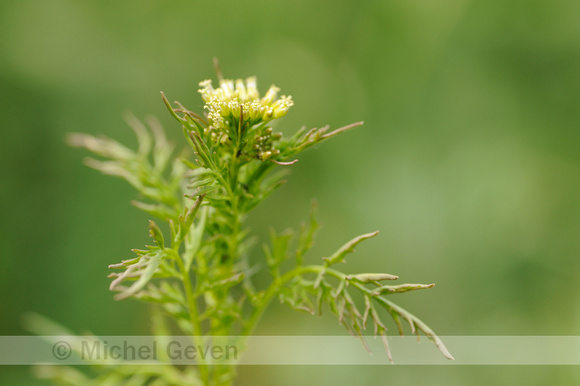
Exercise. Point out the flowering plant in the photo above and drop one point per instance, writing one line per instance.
(198, 273)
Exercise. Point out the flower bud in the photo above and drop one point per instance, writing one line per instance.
(270, 95)
(251, 88)
(266, 155)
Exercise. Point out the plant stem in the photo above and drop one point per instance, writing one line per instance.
(193, 316)
(272, 291)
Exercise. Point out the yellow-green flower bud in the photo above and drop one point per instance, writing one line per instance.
(270, 95)
(227, 88)
(266, 155)
(252, 89)
(241, 90)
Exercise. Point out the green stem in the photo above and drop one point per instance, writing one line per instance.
(193, 316)
(272, 291)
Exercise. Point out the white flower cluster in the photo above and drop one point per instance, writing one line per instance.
(235, 99)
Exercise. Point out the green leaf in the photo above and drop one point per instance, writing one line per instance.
(347, 248)
(142, 270)
(161, 211)
(193, 240)
(307, 234)
(186, 219)
(371, 277)
(280, 244)
(393, 289)
(156, 234)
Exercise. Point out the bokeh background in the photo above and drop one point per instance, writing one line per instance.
(468, 162)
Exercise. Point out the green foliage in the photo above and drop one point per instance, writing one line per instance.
(199, 274)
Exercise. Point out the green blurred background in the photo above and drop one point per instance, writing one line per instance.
(468, 162)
